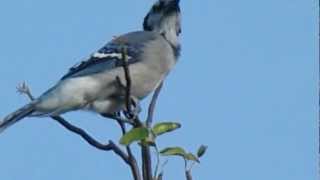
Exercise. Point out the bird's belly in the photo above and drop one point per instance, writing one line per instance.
(71, 94)
(109, 106)
(144, 83)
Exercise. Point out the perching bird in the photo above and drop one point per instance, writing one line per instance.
(94, 84)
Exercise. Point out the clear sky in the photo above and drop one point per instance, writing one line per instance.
(245, 85)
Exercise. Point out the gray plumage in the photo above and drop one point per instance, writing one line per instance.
(92, 84)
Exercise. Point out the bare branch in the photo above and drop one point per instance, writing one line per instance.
(128, 78)
(106, 147)
(153, 105)
(187, 171)
(188, 175)
(24, 89)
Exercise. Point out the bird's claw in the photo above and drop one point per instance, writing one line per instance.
(134, 111)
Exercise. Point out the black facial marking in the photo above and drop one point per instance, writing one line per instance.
(172, 7)
(164, 9)
(158, 7)
(146, 26)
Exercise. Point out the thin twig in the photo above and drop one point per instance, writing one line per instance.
(145, 150)
(152, 105)
(185, 164)
(188, 175)
(106, 147)
(128, 99)
(23, 88)
(187, 172)
(133, 162)
(127, 77)
(163, 165)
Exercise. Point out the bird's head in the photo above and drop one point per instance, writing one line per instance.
(164, 18)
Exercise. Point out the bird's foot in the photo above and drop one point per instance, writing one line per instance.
(134, 111)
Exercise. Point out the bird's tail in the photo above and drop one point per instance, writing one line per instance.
(16, 116)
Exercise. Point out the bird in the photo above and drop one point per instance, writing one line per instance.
(93, 85)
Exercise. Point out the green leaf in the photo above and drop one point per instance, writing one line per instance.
(165, 127)
(133, 135)
(202, 150)
(192, 157)
(173, 151)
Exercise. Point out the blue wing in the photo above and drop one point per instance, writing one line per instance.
(107, 58)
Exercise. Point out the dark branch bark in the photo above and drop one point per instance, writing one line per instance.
(188, 175)
(106, 147)
(129, 101)
(128, 79)
(146, 162)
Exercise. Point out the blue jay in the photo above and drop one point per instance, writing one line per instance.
(92, 84)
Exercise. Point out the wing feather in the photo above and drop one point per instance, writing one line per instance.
(107, 58)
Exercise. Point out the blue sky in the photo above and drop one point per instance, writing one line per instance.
(245, 85)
